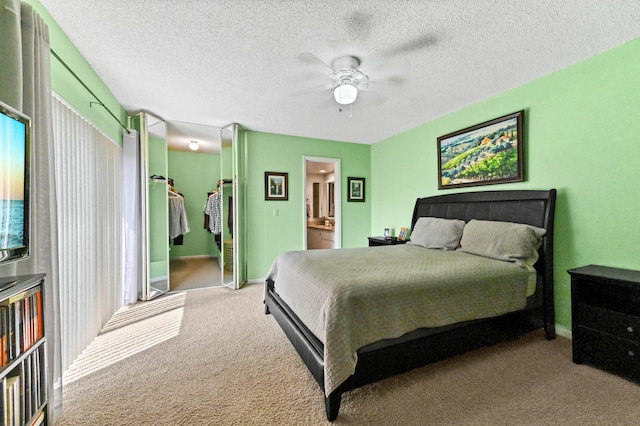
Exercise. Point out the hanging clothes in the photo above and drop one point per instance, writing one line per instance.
(206, 215)
(230, 216)
(178, 220)
(213, 216)
(213, 209)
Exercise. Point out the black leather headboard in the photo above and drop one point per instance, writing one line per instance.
(530, 207)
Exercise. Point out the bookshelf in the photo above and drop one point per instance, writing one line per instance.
(23, 361)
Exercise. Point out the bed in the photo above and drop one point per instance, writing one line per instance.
(358, 315)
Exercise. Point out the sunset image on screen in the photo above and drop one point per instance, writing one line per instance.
(12, 152)
(12, 174)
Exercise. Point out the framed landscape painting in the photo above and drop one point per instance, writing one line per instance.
(484, 154)
(356, 189)
(275, 186)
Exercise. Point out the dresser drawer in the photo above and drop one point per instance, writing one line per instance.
(610, 353)
(608, 295)
(611, 322)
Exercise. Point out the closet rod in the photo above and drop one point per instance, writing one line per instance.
(89, 90)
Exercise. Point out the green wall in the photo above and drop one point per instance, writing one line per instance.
(194, 174)
(581, 137)
(269, 235)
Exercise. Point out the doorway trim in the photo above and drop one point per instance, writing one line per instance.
(337, 198)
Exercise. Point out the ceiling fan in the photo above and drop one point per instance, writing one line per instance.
(348, 80)
(344, 78)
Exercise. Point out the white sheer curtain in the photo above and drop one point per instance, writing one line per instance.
(90, 214)
(132, 216)
(25, 84)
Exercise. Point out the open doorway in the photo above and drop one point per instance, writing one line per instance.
(194, 174)
(322, 203)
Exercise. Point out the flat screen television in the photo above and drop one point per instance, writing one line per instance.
(15, 135)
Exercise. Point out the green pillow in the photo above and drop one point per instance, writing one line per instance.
(437, 233)
(508, 241)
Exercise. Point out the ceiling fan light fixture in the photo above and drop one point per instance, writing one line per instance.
(194, 145)
(345, 93)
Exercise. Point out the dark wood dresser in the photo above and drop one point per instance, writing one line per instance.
(605, 304)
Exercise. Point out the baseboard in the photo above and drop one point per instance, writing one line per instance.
(563, 332)
(199, 256)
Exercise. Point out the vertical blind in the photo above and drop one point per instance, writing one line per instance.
(89, 185)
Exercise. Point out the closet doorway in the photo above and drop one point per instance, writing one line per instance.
(194, 175)
(211, 180)
(322, 209)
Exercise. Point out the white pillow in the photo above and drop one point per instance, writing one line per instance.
(508, 241)
(437, 233)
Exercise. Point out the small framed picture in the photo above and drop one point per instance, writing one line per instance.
(402, 235)
(275, 186)
(387, 233)
(356, 189)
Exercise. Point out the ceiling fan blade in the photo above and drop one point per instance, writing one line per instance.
(359, 25)
(315, 77)
(311, 59)
(380, 67)
(316, 90)
(372, 97)
(412, 45)
(392, 80)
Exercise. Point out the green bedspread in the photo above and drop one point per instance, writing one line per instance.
(352, 297)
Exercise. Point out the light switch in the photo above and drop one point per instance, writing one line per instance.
(275, 212)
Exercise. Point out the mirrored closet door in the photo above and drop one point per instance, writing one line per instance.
(232, 171)
(154, 195)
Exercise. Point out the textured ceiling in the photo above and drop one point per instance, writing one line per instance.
(210, 63)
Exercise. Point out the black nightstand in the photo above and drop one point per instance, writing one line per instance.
(382, 241)
(605, 305)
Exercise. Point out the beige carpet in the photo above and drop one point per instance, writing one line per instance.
(194, 272)
(211, 357)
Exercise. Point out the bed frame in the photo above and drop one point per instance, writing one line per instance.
(424, 346)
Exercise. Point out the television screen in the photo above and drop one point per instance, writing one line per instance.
(14, 184)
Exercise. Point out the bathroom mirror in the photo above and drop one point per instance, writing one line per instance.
(324, 199)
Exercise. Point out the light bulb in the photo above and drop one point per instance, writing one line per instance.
(345, 93)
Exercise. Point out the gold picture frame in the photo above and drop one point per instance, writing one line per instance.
(402, 235)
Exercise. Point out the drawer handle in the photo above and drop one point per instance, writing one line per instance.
(632, 354)
(630, 329)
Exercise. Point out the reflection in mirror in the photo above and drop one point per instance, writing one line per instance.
(331, 199)
(226, 174)
(157, 238)
(323, 200)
